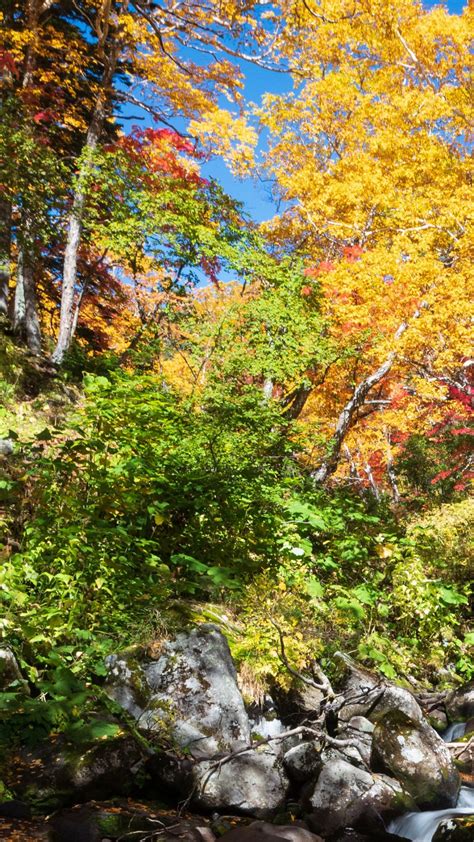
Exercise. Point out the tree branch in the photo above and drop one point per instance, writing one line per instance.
(348, 414)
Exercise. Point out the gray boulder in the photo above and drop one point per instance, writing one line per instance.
(190, 693)
(6, 447)
(126, 683)
(303, 762)
(58, 771)
(254, 783)
(367, 695)
(265, 832)
(10, 676)
(290, 832)
(460, 703)
(345, 795)
(360, 730)
(415, 755)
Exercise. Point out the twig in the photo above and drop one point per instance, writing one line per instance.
(324, 686)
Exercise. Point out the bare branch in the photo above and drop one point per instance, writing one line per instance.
(349, 413)
(324, 686)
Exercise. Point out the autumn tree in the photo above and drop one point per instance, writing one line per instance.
(371, 155)
(152, 45)
(47, 71)
(70, 69)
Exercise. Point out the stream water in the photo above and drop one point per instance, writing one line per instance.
(454, 731)
(421, 827)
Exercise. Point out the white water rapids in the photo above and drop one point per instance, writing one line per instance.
(421, 827)
(454, 731)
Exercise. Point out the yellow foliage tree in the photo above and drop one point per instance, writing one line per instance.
(370, 153)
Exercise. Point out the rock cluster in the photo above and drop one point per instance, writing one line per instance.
(357, 763)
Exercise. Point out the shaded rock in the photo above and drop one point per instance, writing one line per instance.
(460, 703)
(58, 772)
(291, 832)
(463, 757)
(127, 822)
(253, 783)
(417, 757)
(470, 726)
(248, 834)
(346, 795)
(10, 674)
(6, 447)
(15, 809)
(350, 835)
(459, 829)
(171, 774)
(303, 762)
(438, 719)
(266, 832)
(360, 730)
(299, 702)
(77, 825)
(367, 695)
(190, 693)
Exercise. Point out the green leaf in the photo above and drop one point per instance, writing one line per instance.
(451, 596)
(364, 595)
(44, 435)
(183, 560)
(314, 588)
(350, 606)
(388, 670)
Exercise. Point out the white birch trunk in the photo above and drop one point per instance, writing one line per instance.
(68, 318)
(5, 248)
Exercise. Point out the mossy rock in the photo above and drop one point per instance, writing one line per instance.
(459, 829)
(60, 771)
(414, 754)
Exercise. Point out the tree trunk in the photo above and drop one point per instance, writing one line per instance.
(26, 324)
(295, 402)
(346, 419)
(19, 325)
(5, 254)
(392, 477)
(68, 321)
(347, 416)
(26, 320)
(32, 324)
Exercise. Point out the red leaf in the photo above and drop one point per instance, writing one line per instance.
(7, 62)
(325, 266)
(353, 253)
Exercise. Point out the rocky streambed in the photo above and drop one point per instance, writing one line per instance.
(360, 762)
